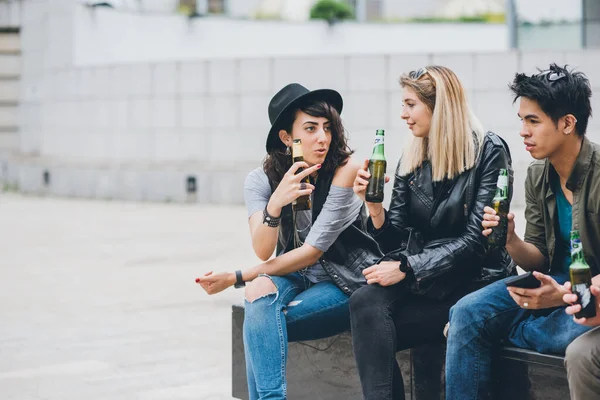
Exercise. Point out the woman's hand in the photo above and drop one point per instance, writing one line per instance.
(549, 294)
(386, 273)
(290, 187)
(360, 188)
(215, 283)
(574, 308)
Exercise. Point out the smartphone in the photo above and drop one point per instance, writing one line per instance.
(524, 281)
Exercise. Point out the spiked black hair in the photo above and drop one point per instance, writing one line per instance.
(559, 92)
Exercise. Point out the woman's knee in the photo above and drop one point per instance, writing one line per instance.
(260, 287)
(359, 297)
(367, 301)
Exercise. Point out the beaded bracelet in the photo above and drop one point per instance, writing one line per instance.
(269, 220)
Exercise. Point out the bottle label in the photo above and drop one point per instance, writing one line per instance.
(502, 181)
(585, 295)
(575, 248)
(378, 141)
(297, 150)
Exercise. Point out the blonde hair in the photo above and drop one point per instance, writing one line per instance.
(455, 134)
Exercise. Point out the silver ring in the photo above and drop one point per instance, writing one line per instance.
(302, 186)
(526, 304)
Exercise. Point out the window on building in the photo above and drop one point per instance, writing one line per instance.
(216, 6)
(373, 8)
(187, 6)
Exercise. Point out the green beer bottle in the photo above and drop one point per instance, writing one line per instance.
(500, 204)
(581, 278)
(302, 202)
(377, 167)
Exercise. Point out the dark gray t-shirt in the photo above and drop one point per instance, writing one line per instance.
(339, 211)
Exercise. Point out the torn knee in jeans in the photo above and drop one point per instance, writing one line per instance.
(292, 303)
(261, 287)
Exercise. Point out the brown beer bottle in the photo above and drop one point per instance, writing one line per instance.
(581, 278)
(500, 204)
(302, 202)
(377, 167)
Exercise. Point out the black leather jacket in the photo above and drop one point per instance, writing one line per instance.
(353, 251)
(453, 251)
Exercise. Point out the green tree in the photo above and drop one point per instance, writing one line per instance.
(331, 10)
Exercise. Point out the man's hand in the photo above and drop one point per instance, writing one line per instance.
(571, 298)
(215, 283)
(386, 273)
(490, 220)
(548, 295)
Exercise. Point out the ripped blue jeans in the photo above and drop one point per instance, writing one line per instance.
(298, 310)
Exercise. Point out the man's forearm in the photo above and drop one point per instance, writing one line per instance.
(284, 264)
(526, 255)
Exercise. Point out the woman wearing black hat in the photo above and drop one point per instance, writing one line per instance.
(303, 293)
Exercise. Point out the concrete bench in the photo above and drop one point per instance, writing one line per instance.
(325, 370)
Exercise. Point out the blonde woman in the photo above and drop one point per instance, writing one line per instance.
(435, 252)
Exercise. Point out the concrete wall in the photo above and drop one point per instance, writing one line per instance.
(138, 130)
(10, 13)
(591, 18)
(10, 66)
(403, 9)
(104, 36)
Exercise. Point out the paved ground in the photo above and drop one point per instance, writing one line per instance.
(98, 300)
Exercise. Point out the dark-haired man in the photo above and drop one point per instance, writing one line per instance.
(562, 192)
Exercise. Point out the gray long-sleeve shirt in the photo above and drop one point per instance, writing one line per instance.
(339, 211)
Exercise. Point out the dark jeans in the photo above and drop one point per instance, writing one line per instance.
(489, 317)
(385, 320)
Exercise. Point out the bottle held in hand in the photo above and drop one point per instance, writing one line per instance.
(500, 204)
(581, 278)
(302, 202)
(377, 167)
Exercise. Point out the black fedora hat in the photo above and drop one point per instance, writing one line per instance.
(290, 96)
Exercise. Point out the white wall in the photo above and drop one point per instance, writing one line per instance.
(103, 36)
(242, 8)
(404, 9)
(549, 10)
(10, 13)
(136, 130)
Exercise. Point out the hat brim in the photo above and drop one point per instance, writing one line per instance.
(328, 95)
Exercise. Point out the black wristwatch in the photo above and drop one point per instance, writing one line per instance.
(404, 265)
(239, 281)
(269, 220)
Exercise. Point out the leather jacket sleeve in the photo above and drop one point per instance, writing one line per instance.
(393, 232)
(466, 251)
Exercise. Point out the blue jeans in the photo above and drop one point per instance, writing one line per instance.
(298, 310)
(489, 317)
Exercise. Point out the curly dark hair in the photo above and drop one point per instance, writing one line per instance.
(558, 91)
(277, 163)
